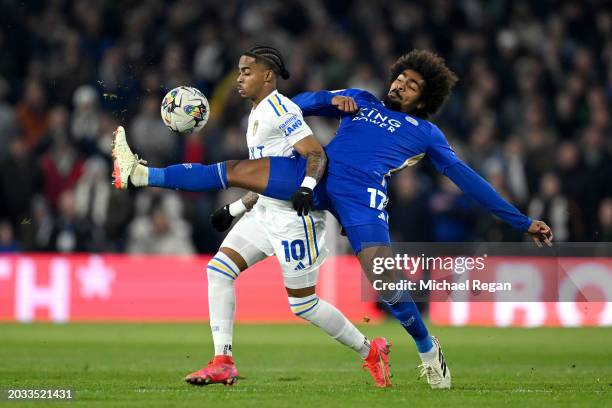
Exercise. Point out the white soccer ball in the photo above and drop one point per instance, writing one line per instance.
(185, 109)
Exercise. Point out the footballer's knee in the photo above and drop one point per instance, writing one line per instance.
(222, 267)
(303, 302)
(305, 307)
(235, 257)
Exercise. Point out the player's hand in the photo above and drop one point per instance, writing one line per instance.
(302, 200)
(221, 219)
(345, 104)
(540, 232)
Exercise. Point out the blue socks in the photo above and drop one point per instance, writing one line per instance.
(405, 311)
(190, 177)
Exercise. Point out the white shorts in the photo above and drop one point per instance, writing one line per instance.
(274, 228)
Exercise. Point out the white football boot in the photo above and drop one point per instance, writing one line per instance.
(437, 372)
(124, 161)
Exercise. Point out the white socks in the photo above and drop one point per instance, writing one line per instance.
(332, 321)
(222, 272)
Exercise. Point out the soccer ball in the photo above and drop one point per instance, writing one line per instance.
(185, 109)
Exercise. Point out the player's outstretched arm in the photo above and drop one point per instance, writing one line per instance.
(479, 189)
(316, 161)
(446, 161)
(326, 103)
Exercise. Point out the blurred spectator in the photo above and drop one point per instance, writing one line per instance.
(597, 172)
(195, 150)
(8, 122)
(160, 227)
(32, 113)
(408, 210)
(70, 233)
(453, 213)
(92, 198)
(151, 138)
(20, 179)
(605, 220)
(36, 231)
(550, 204)
(365, 78)
(7, 238)
(484, 154)
(514, 171)
(61, 168)
(58, 129)
(208, 62)
(569, 168)
(85, 118)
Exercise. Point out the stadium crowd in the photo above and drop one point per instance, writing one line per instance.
(531, 112)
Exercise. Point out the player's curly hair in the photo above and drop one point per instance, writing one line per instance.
(439, 79)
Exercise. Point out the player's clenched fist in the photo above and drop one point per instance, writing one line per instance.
(540, 232)
(345, 104)
(302, 200)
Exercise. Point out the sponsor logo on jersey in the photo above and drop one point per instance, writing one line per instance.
(374, 117)
(291, 124)
(412, 120)
(256, 152)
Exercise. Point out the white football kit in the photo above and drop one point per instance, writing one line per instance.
(273, 226)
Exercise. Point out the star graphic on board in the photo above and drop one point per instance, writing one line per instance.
(96, 279)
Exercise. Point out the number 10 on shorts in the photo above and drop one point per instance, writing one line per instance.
(295, 250)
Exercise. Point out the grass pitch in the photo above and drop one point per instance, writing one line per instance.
(133, 365)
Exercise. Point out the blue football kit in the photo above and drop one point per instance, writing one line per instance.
(368, 148)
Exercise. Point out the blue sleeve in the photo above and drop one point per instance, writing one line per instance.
(472, 184)
(439, 151)
(319, 103)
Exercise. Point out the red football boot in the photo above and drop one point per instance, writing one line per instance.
(377, 362)
(220, 370)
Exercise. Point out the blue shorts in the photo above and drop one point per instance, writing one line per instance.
(355, 198)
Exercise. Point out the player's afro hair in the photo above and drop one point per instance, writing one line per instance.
(271, 57)
(439, 79)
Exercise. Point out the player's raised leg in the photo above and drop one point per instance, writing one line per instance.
(400, 303)
(128, 170)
